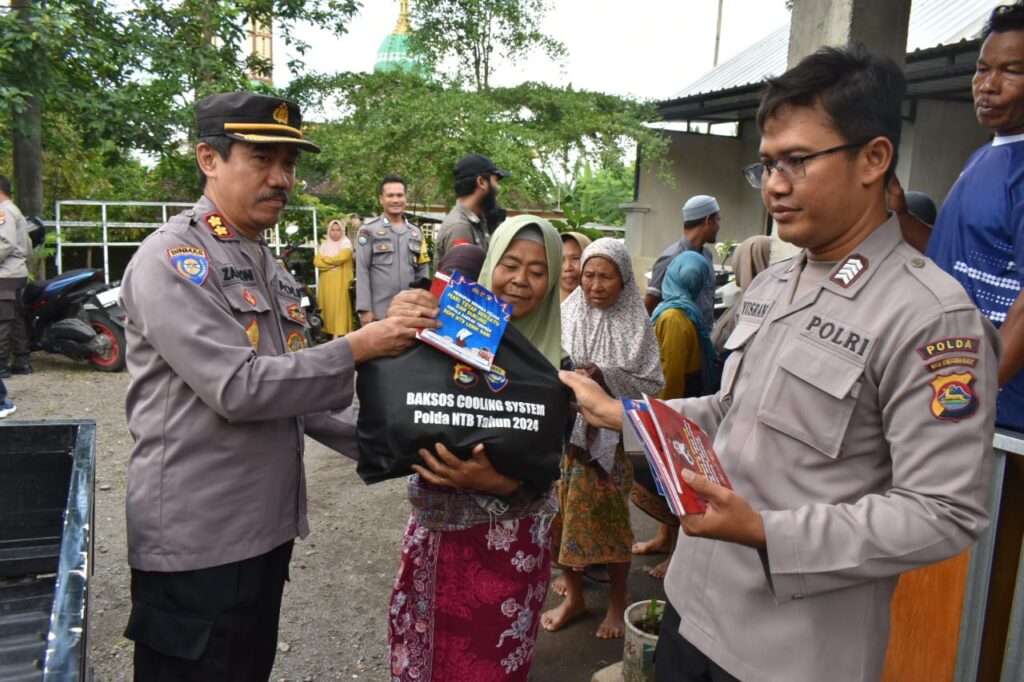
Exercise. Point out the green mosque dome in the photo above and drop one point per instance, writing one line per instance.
(394, 53)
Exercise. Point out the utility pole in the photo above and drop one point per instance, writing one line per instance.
(718, 32)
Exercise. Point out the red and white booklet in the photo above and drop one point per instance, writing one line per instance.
(671, 444)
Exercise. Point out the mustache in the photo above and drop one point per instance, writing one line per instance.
(273, 194)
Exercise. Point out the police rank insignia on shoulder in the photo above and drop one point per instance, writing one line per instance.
(189, 262)
(253, 332)
(296, 342)
(296, 313)
(850, 271)
(953, 396)
(218, 227)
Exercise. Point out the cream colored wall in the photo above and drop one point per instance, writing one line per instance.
(936, 146)
(701, 164)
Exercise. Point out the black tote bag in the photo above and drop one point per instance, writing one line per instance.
(519, 411)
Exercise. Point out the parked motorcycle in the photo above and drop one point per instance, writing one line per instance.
(76, 314)
(292, 260)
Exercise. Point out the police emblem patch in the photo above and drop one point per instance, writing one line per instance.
(363, 239)
(253, 332)
(464, 376)
(296, 342)
(953, 396)
(249, 297)
(218, 227)
(296, 313)
(281, 114)
(951, 344)
(496, 379)
(189, 262)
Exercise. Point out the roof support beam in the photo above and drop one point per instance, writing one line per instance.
(881, 25)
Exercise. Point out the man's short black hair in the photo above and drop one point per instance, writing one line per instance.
(1004, 18)
(861, 93)
(5, 185)
(388, 180)
(465, 186)
(219, 143)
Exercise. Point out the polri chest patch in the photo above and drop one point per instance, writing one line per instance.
(837, 335)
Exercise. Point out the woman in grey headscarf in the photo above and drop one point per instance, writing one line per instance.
(606, 331)
(748, 260)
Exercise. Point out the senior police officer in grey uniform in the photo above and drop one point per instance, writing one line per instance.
(15, 251)
(855, 416)
(222, 391)
(391, 253)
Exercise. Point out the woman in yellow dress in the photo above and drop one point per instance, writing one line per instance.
(334, 261)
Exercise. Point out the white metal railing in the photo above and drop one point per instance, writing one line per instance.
(65, 228)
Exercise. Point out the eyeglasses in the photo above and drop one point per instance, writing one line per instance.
(790, 166)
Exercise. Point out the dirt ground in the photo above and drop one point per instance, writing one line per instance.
(332, 621)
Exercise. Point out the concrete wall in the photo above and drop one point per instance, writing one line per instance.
(936, 146)
(700, 164)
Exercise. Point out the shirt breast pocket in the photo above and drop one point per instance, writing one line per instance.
(383, 252)
(735, 346)
(244, 300)
(811, 396)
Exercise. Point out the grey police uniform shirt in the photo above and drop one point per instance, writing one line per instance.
(387, 261)
(858, 421)
(706, 300)
(222, 391)
(460, 226)
(15, 245)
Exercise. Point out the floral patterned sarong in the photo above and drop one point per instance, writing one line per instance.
(466, 603)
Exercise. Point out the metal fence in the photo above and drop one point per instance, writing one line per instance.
(1006, 444)
(111, 229)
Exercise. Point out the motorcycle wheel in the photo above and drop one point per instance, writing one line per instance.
(113, 360)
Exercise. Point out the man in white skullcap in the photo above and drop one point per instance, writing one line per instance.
(701, 221)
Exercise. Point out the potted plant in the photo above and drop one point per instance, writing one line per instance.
(642, 622)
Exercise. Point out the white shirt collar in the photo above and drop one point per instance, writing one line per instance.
(999, 140)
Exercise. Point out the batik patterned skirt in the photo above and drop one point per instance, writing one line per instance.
(467, 603)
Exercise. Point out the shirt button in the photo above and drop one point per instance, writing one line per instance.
(917, 262)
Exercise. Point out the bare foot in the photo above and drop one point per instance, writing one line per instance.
(660, 570)
(656, 545)
(557, 618)
(558, 585)
(612, 627)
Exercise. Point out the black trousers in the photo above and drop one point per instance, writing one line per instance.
(13, 331)
(676, 660)
(210, 624)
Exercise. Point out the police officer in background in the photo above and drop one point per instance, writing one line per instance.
(222, 391)
(15, 251)
(855, 415)
(476, 212)
(391, 253)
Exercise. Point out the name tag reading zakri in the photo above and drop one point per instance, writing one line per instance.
(472, 321)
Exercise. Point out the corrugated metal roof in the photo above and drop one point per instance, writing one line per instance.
(932, 23)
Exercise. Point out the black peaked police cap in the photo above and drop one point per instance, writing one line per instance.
(425, 396)
(257, 119)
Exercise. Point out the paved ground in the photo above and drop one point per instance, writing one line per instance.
(332, 624)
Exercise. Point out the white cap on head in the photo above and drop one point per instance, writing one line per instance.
(698, 207)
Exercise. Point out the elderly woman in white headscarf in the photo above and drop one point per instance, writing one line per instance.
(606, 331)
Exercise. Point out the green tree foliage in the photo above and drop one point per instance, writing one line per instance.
(399, 123)
(465, 38)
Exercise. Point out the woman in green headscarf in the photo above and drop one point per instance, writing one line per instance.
(476, 556)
